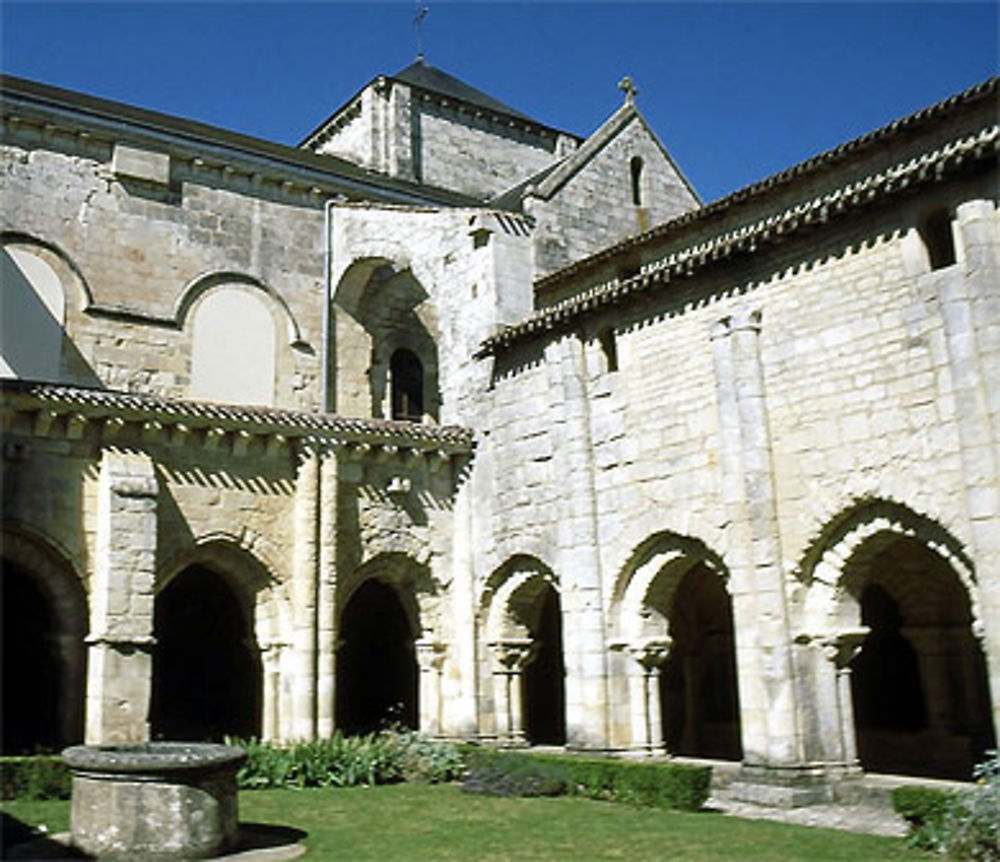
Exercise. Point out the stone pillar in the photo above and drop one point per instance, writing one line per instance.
(326, 664)
(430, 660)
(460, 719)
(772, 744)
(578, 560)
(270, 655)
(840, 650)
(304, 592)
(119, 658)
(510, 658)
(968, 297)
(647, 720)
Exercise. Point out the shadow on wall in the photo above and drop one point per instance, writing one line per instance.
(33, 338)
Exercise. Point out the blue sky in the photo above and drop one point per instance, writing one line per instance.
(736, 91)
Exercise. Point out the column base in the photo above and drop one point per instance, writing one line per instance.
(782, 786)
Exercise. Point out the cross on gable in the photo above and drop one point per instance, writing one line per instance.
(629, 89)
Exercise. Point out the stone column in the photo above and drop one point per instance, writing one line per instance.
(772, 744)
(326, 663)
(119, 658)
(578, 560)
(968, 297)
(647, 720)
(510, 658)
(304, 592)
(430, 660)
(270, 654)
(840, 650)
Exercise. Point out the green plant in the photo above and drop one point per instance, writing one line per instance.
(662, 785)
(926, 810)
(972, 825)
(508, 773)
(346, 761)
(34, 777)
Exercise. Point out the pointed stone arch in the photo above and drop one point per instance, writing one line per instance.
(521, 618)
(893, 601)
(45, 624)
(674, 665)
(381, 608)
(208, 670)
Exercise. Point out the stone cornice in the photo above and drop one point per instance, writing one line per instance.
(934, 166)
(72, 408)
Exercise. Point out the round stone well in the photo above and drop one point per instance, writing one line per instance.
(155, 800)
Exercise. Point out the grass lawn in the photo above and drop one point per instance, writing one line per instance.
(412, 822)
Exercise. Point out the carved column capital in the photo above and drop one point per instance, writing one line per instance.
(430, 654)
(651, 653)
(513, 654)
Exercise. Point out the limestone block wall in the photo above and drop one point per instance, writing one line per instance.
(138, 258)
(595, 207)
(475, 153)
(849, 336)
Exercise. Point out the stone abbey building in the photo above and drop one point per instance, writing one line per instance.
(451, 418)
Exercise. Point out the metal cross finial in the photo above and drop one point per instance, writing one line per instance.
(629, 89)
(418, 23)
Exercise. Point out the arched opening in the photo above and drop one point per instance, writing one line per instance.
(544, 677)
(44, 658)
(32, 667)
(635, 171)
(383, 344)
(207, 678)
(935, 231)
(698, 693)
(919, 688)
(376, 666)
(407, 375)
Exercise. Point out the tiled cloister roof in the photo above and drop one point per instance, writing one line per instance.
(875, 188)
(91, 404)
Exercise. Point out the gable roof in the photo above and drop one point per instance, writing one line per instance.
(552, 178)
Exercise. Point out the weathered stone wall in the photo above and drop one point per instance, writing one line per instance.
(140, 256)
(858, 397)
(595, 207)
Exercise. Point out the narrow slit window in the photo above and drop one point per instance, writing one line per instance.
(636, 171)
(407, 380)
(935, 231)
(609, 347)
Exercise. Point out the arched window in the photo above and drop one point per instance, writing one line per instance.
(407, 379)
(635, 167)
(935, 231)
(233, 348)
(34, 312)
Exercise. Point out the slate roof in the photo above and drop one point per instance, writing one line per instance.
(422, 74)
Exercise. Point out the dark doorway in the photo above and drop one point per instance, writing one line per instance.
(376, 666)
(698, 693)
(544, 678)
(33, 673)
(206, 670)
(919, 688)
